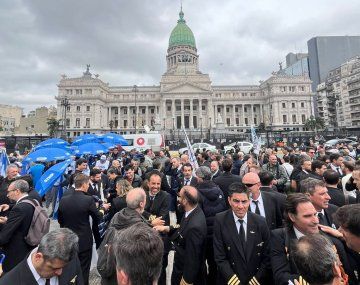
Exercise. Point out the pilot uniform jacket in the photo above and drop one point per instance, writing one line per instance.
(233, 263)
(13, 233)
(283, 266)
(74, 212)
(189, 243)
(159, 207)
(22, 275)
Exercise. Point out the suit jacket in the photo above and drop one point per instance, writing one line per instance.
(283, 266)
(337, 196)
(224, 181)
(273, 214)
(216, 174)
(22, 275)
(74, 212)
(329, 212)
(193, 182)
(158, 207)
(189, 242)
(92, 192)
(229, 255)
(280, 197)
(13, 233)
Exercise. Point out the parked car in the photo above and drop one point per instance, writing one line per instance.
(333, 142)
(245, 147)
(199, 146)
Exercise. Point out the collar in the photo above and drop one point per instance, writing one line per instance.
(36, 275)
(298, 233)
(258, 199)
(236, 218)
(189, 212)
(322, 212)
(17, 202)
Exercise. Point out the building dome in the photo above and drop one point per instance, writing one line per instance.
(182, 35)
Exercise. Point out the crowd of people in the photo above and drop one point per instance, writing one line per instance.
(286, 216)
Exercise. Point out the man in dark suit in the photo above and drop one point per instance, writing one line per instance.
(188, 239)
(16, 225)
(240, 242)
(318, 194)
(318, 168)
(80, 165)
(301, 219)
(54, 261)
(226, 179)
(187, 178)
(262, 203)
(12, 172)
(215, 169)
(95, 183)
(74, 213)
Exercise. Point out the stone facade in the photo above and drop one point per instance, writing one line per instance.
(36, 121)
(8, 111)
(185, 98)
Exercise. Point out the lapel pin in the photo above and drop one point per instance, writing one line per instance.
(252, 232)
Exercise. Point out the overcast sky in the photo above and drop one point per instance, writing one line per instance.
(125, 42)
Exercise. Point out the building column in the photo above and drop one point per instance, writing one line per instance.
(182, 114)
(128, 117)
(233, 115)
(191, 114)
(164, 110)
(200, 109)
(252, 114)
(147, 115)
(173, 113)
(119, 110)
(243, 115)
(261, 114)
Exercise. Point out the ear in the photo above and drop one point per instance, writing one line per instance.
(122, 277)
(292, 217)
(336, 270)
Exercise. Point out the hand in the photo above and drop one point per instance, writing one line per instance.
(331, 231)
(4, 207)
(157, 222)
(106, 206)
(162, 229)
(3, 220)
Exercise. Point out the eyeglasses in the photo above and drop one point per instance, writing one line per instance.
(249, 185)
(11, 190)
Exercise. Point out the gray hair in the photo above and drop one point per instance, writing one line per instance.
(135, 197)
(12, 165)
(315, 257)
(308, 185)
(139, 251)
(21, 185)
(60, 243)
(203, 172)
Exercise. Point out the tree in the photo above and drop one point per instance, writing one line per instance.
(315, 123)
(53, 126)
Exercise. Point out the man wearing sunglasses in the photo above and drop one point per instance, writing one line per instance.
(262, 203)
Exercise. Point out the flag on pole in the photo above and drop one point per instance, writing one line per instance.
(4, 162)
(191, 153)
(60, 193)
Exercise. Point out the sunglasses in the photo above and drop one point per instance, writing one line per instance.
(249, 185)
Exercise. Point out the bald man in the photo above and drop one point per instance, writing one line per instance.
(189, 240)
(262, 203)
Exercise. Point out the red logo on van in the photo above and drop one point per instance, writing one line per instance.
(140, 141)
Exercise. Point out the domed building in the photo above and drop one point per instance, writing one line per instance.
(185, 98)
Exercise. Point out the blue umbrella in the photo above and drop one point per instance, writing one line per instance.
(57, 143)
(114, 139)
(47, 154)
(84, 139)
(91, 149)
(109, 145)
(48, 179)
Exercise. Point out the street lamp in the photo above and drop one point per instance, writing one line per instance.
(135, 89)
(65, 103)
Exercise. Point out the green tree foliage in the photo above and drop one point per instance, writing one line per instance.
(53, 126)
(315, 123)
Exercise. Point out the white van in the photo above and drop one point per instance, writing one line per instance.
(141, 142)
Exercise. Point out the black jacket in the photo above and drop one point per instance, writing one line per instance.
(189, 242)
(117, 204)
(159, 207)
(22, 275)
(230, 256)
(338, 197)
(273, 214)
(74, 212)
(212, 202)
(280, 197)
(224, 181)
(13, 233)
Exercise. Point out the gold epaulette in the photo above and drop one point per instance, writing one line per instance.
(301, 281)
(234, 280)
(183, 282)
(254, 281)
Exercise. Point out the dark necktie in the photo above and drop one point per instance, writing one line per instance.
(338, 170)
(187, 182)
(242, 232)
(322, 220)
(95, 188)
(47, 282)
(151, 200)
(257, 210)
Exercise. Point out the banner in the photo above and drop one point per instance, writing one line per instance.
(191, 153)
(4, 162)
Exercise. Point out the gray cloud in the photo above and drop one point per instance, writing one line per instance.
(239, 42)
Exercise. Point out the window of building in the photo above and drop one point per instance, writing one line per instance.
(255, 121)
(292, 105)
(254, 109)
(292, 88)
(87, 108)
(284, 105)
(78, 91)
(169, 108)
(68, 123)
(294, 119)
(284, 119)
(194, 108)
(68, 108)
(125, 111)
(203, 108)
(143, 111)
(236, 109)
(125, 123)
(227, 109)
(302, 88)
(245, 109)
(303, 118)
(134, 111)
(218, 109)
(178, 108)
(302, 104)
(77, 108)
(77, 122)
(283, 88)
(228, 121)
(237, 121)
(246, 121)
(87, 123)
(152, 111)
(68, 91)
(88, 91)
(116, 111)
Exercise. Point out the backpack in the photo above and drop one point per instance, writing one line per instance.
(106, 263)
(40, 223)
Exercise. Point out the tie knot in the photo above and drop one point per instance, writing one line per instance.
(241, 221)
(320, 215)
(255, 202)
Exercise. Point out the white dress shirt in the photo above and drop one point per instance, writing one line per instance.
(298, 233)
(189, 212)
(41, 281)
(260, 205)
(237, 223)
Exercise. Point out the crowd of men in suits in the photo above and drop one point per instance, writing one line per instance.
(235, 219)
